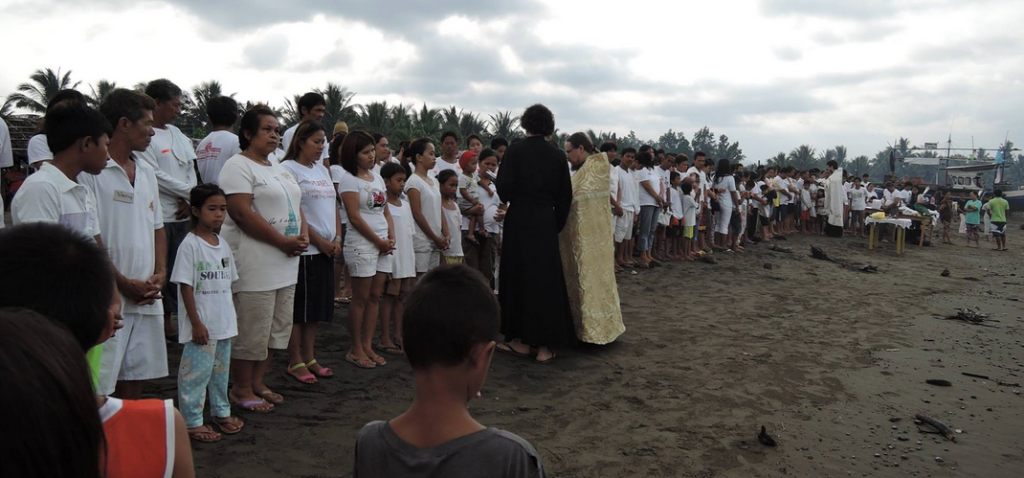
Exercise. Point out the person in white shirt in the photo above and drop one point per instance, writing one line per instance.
(858, 202)
(53, 194)
(629, 207)
(38, 151)
(314, 291)
(651, 203)
(724, 186)
(702, 195)
(403, 271)
(312, 107)
(381, 152)
(431, 234)
(221, 144)
(131, 222)
(664, 170)
(172, 157)
(449, 154)
(6, 159)
(482, 255)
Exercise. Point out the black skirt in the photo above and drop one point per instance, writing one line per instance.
(314, 293)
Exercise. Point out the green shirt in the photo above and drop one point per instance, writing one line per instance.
(998, 208)
(92, 357)
(973, 217)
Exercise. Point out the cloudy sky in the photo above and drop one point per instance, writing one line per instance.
(769, 73)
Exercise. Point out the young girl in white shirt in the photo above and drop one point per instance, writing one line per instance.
(449, 182)
(431, 235)
(403, 272)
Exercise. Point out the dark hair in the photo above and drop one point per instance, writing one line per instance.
(222, 110)
(122, 103)
(390, 169)
(687, 187)
(996, 192)
(645, 148)
(486, 153)
(162, 90)
(354, 142)
(49, 393)
(62, 96)
(645, 159)
(438, 335)
(404, 144)
(628, 149)
(472, 137)
(699, 154)
(660, 151)
(832, 164)
(69, 123)
(199, 195)
(855, 178)
(445, 175)
(418, 147)
(303, 132)
(446, 134)
(609, 146)
(251, 123)
(723, 170)
(377, 137)
(538, 119)
(41, 259)
(498, 142)
(580, 139)
(672, 176)
(309, 101)
(334, 149)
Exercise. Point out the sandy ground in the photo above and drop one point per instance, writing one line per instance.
(832, 361)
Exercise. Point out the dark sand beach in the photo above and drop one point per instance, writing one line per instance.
(831, 360)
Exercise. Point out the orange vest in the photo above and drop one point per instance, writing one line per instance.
(140, 440)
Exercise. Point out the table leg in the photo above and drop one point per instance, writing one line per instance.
(922, 235)
(871, 237)
(901, 240)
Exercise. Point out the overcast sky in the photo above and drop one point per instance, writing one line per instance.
(771, 74)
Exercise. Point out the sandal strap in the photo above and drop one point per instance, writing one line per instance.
(298, 365)
(311, 363)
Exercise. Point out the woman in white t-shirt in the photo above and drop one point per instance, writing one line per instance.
(448, 182)
(368, 244)
(314, 293)
(430, 236)
(340, 269)
(650, 203)
(267, 234)
(725, 189)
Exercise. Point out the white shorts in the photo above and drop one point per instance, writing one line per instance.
(367, 264)
(425, 261)
(623, 226)
(136, 352)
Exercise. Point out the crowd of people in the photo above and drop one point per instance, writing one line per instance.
(252, 239)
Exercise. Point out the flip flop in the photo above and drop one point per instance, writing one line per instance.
(380, 361)
(545, 362)
(505, 347)
(307, 379)
(324, 372)
(393, 350)
(197, 434)
(229, 427)
(269, 397)
(249, 404)
(360, 363)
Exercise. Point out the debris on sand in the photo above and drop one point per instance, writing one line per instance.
(945, 273)
(708, 259)
(938, 382)
(819, 253)
(778, 248)
(971, 317)
(765, 438)
(930, 425)
(966, 374)
(768, 266)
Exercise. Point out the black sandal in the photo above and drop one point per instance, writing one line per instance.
(505, 347)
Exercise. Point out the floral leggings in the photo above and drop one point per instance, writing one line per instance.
(202, 368)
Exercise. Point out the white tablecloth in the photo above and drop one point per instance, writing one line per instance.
(900, 223)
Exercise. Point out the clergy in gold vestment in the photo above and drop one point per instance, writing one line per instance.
(587, 256)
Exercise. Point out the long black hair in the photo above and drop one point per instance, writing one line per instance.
(723, 170)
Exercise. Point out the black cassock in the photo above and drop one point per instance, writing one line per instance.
(534, 181)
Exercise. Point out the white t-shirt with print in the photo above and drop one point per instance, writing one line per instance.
(171, 155)
(781, 185)
(128, 216)
(319, 200)
(276, 198)
(213, 151)
(50, 196)
(858, 199)
(405, 258)
(652, 178)
(210, 271)
(430, 207)
(441, 165)
(372, 200)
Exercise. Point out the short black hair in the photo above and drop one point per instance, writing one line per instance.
(390, 169)
(222, 110)
(699, 154)
(122, 103)
(69, 96)
(645, 148)
(538, 119)
(581, 139)
(417, 147)
(832, 164)
(42, 259)
(355, 142)
(309, 101)
(672, 176)
(436, 334)
(472, 137)
(660, 151)
(251, 123)
(628, 149)
(445, 175)
(446, 134)
(486, 153)
(498, 142)
(645, 159)
(997, 193)
(682, 159)
(69, 123)
(687, 187)
(199, 195)
(609, 146)
(162, 90)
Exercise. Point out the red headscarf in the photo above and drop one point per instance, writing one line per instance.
(464, 160)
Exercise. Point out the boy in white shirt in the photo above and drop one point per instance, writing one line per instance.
(858, 203)
(311, 106)
(689, 219)
(130, 219)
(172, 157)
(215, 149)
(630, 207)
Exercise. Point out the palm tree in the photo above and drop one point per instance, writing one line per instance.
(825, 156)
(375, 117)
(339, 105)
(505, 125)
(100, 91)
(450, 118)
(428, 122)
(401, 123)
(290, 112)
(45, 83)
(778, 161)
(470, 123)
(559, 139)
(860, 165)
(841, 153)
(802, 158)
(7, 110)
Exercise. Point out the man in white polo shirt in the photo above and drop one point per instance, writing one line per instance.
(172, 157)
(131, 223)
(79, 137)
(449, 158)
